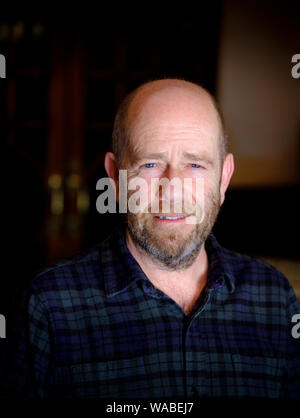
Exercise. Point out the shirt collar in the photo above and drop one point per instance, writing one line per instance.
(221, 272)
(120, 268)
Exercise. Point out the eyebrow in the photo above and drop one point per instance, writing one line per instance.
(198, 157)
(188, 155)
(154, 155)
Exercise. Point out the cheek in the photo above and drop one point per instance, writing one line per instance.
(188, 188)
(137, 192)
(205, 190)
(149, 173)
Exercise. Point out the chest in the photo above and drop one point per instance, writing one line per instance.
(143, 347)
(184, 294)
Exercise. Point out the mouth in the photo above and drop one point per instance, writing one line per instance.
(171, 219)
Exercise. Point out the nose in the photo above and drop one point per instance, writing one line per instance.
(174, 192)
(171, 172)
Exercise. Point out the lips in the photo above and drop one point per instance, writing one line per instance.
(170, 218)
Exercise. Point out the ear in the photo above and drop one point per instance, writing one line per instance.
(111, 167)
(227, 171)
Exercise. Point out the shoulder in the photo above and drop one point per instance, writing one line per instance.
(256, 276)
(68, 277)
(254, 268)
(244, 268)
(251, 266)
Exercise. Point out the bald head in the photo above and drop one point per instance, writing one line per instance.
(170, 103)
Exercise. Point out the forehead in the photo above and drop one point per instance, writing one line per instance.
(173, 117)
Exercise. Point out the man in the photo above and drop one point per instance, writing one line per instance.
(160, 309)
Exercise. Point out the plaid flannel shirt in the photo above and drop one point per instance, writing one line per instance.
(93, 326)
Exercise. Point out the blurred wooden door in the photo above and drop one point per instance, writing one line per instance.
(64, 83)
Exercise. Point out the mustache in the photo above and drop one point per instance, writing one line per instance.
(172, 208)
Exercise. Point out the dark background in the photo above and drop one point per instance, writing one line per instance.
(67, 71)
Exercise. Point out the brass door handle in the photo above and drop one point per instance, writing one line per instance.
(55, 183)
(75, 186)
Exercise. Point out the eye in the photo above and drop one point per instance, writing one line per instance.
(196, 165)
(149, 165)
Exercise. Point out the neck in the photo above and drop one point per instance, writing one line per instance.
(183, 286)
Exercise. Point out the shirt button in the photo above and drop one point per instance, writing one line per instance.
(148, 289)
(195, 392)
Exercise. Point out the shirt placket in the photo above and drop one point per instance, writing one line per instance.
(194, 354)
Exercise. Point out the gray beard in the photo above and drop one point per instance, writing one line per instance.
(185, 253)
